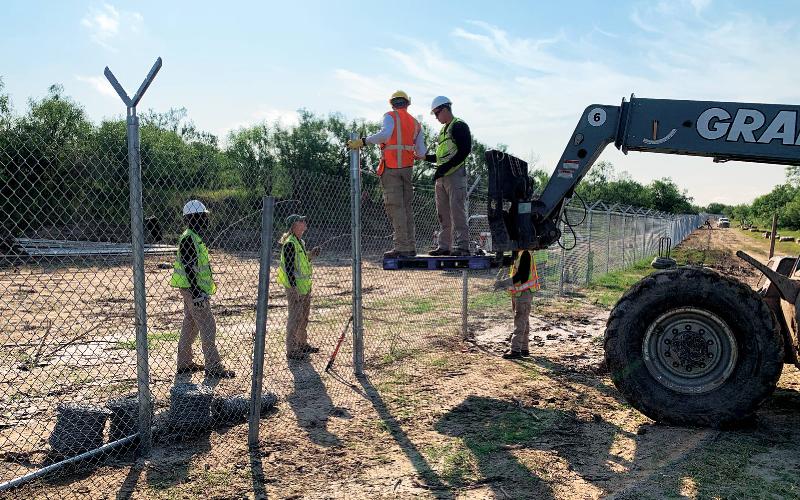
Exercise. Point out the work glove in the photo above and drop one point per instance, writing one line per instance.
(200, 301)
(356, 143)
(503, 284)
(315, 252)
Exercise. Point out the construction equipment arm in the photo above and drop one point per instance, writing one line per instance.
(763, 133)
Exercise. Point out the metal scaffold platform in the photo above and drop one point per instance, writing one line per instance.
(431, 263)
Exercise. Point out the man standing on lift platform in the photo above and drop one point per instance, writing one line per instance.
(450, 179)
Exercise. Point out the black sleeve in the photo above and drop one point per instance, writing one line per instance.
(524, 265)
(188, 255)
(463, 140)
(288, 257)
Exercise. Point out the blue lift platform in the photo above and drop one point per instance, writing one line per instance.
(431, 263)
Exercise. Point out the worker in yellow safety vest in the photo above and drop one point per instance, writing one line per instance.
(450, 179)
(294, 274)
(401, 141)
(523, 280)
(192, 275)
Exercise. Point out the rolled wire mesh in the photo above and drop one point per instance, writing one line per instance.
(66, 307)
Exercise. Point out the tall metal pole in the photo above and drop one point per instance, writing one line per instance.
(262, 303)
(139, 292)
(355, 229)
(608, 240)
(137, 248)
(589, 256)
(622, 241)
(772, 234)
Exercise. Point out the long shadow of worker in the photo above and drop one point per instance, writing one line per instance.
(437, 488)
(311, 403)
(497, 432)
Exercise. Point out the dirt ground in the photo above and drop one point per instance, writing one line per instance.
(457, 421)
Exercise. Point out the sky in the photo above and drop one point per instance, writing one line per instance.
(519, 73)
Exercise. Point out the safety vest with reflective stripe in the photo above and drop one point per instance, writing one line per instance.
(398, 151)
(446, 148)
(203, 275)
(302, 267)
(532, 276)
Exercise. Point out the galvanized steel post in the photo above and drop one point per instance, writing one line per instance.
(608, 239)
(589, 256)
(137, 249)
(355, 229)
(262, 304)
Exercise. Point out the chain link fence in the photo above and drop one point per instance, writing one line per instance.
(75, 376)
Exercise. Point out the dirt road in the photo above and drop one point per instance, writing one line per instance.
(461, 422)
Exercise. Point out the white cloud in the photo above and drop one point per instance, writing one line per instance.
(98, 83)
(107, 24)
(528, 92)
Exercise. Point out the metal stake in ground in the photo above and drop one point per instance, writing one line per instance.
(137, 247)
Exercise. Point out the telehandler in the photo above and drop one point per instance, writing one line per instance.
(687, 345)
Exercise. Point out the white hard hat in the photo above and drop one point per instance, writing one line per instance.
(439, 101)
(194, 207)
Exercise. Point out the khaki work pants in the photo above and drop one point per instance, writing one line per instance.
(398, 195)
(198, 321)
(522, 327)
(451, 197)
(297, 322)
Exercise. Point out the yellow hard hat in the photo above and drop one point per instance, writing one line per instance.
(400, 93)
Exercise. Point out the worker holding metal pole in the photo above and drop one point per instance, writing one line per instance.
(401, 141)
(294, 274)
(193, 276)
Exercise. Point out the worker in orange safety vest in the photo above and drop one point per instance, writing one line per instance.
(401, 141)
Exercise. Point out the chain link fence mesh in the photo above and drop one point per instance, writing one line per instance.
(69, 363)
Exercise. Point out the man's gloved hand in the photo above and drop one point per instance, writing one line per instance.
(356, 143)
(200, 301)
(315, 251)
(503, 284)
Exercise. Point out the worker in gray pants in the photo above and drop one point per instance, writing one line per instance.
(450, 179)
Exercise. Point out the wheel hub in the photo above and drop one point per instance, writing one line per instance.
(690, 350)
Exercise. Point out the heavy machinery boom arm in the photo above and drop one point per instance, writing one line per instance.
(764, 133)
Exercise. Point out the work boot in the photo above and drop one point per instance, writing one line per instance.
(393, 254)
(439, 252)
(296, 355)
(525, 353)
(408, 253)
(190, 368)
(309, 348)
(220, 372)
(512, 355)
(460, 253)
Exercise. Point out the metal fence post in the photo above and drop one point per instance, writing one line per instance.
(589, 256)
(561, 264)
(265, 264)
(608, 240)
(622, 241)
(355, 229)
(137, 248)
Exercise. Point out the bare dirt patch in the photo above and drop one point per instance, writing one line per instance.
(441, 418)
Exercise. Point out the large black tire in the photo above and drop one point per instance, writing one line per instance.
(687, 346)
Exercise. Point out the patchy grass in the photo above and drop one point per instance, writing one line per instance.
(781, 247)
(154, 340)
(488, 300)
(454, 463)
(733, 467)
(606, 290)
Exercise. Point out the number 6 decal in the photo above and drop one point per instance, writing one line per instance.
(597, 117)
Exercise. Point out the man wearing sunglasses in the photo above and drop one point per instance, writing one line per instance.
(450, 179)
